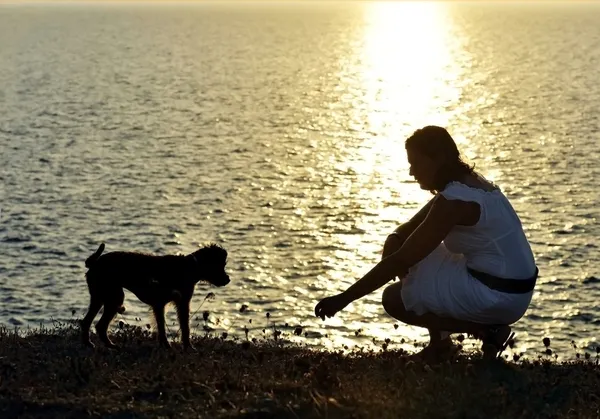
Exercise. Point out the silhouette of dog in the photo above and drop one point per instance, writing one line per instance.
(155, 280)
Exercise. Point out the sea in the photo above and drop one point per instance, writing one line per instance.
(277, 130)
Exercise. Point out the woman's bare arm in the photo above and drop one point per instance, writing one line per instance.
(405, 230)
(441, 217)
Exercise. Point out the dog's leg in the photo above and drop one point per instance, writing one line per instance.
(95, 306)
(183, 314)
(159, 315)
(112, 304)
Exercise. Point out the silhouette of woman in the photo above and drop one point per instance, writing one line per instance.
(464, 262)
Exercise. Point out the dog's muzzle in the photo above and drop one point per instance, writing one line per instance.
(221, 282)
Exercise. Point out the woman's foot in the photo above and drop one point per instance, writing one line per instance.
(439, 351)
(495, 340)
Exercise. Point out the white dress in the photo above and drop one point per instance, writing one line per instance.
(440, 283)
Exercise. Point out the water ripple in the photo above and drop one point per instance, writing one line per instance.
(160, 141)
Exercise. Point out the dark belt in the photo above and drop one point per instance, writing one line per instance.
(509, 286)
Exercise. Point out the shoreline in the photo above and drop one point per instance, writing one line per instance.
(47, 373)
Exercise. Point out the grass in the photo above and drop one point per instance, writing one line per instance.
(47, 373)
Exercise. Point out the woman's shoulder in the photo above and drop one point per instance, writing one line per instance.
(472, 189)
(475, 182)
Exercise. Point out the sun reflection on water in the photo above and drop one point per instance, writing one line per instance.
(407, 65)
(406, 75)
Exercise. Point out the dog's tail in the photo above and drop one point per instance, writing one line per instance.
(89, 262)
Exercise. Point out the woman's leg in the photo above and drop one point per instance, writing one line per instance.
(393, 305)
(393, 243)
(493, 336)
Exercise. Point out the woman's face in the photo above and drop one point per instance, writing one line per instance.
(423, 168)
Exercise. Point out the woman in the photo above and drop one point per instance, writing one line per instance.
(464, 261)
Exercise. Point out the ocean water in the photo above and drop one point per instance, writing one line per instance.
(277, 130)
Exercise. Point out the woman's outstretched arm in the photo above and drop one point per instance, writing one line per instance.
(440, 219)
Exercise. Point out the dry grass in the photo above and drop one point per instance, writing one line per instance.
(46, 373)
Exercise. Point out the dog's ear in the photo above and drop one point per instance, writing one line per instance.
(213, 248)
(213, 254)
(210, 245)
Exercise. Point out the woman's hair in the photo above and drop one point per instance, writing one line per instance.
(436, 142)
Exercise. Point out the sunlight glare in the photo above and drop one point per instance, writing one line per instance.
(408, 80)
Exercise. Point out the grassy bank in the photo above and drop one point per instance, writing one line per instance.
(46, 373)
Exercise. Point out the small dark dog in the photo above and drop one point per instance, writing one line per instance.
(155, 280)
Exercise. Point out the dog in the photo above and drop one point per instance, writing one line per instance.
(155, 280)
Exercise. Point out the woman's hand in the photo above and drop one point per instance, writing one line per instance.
(327, 307)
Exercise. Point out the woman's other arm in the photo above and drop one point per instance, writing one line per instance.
(395, 240)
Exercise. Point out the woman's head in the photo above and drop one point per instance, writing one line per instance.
(434, 158)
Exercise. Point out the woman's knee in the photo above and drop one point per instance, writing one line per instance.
(391, 300)
(393, 242)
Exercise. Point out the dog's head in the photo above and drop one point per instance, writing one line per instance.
(210, 264)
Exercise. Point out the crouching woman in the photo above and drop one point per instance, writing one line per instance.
(464, 261)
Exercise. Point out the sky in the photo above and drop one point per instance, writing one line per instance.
(258, 1)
